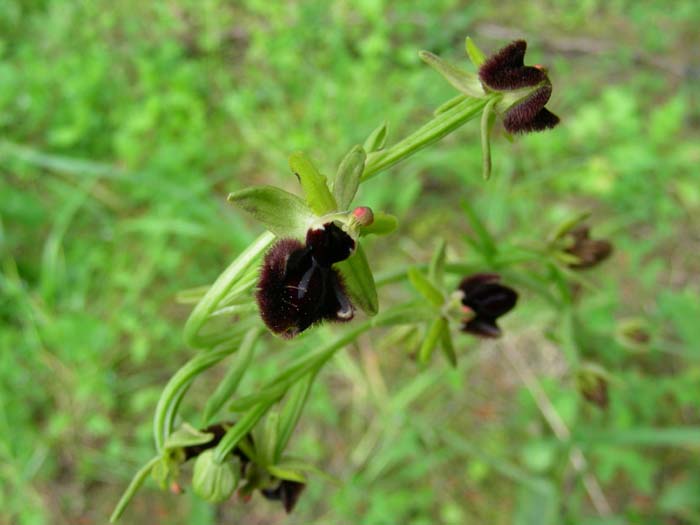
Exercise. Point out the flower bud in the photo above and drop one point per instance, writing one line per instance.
(486, 301)
(593, 387)
(363, 215)
(215, 482)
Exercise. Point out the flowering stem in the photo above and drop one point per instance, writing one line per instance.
(438, 127)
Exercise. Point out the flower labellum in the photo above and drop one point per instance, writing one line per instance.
(287, 492)
(529, 85)
(298, 285)
(486, 300)
(589, 252)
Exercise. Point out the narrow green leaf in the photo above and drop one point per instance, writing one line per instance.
(315, 186)
(476, 55)
(487, 244)
(133, 487)
(377, 139)
(238, 431)
(298, 394)
(463, 81)
(436, 270)
(281, 212)
(448, 348)
(229, 384)
(284, 472)
(383, 224)
(424, 287)
(432, 337)
(347, 179)
(446, 106)
(359, 281)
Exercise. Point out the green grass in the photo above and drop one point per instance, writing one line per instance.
(125, 125)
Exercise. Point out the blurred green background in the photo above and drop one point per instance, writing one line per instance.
(124, 125)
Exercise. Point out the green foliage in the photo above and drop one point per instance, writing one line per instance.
(126, 124)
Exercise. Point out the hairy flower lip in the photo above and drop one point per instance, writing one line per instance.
(590, 252)
(287, 492)
(488, 300)
(298, 285)
(526, 89)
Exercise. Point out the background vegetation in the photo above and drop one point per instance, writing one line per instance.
(125, 124)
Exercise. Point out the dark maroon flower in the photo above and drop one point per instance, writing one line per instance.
(506, 71)
(287, 492)
(298, 286)
(487, 300)
(589, 251)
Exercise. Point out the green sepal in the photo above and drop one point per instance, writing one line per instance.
(432, 338)
(377, 139)
(281, 212)
(462, 81)
(424, 287)
(187, 436)
(436, 270)
(383, 224)
(315, 185)
(347, 179)
(213, 481)
(447, 346)
(283, 471)
(476, 55)
(359, 281)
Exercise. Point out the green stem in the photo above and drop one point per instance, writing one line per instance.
(135, 484)
(439, 126)
(178, 385)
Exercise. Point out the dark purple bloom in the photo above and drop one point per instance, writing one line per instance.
(298, 286)
(589, 251)
(506, 71)
(487, 300)
(287, 492)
